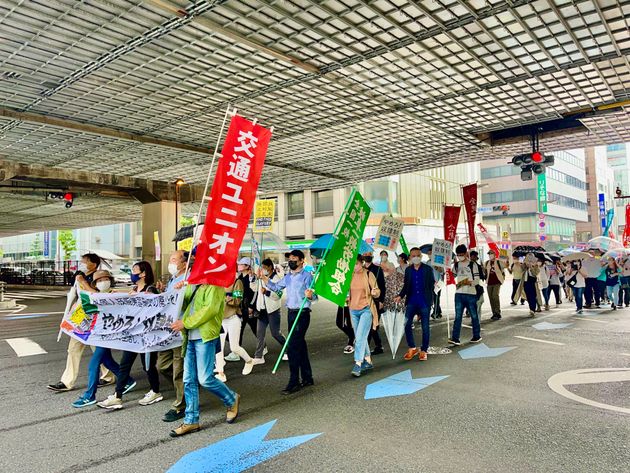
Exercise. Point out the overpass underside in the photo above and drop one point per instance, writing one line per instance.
(117, 100)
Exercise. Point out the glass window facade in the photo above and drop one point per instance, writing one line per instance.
(565, 201)
(565, 178)
(323, 203)
(295, 205)
(508, 196)
(500, 171)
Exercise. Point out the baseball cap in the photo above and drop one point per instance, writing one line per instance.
(246, 261)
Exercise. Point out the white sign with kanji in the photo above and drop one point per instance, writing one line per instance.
(442, 253)
(389, 232)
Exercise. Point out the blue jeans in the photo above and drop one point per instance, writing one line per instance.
(578, 293)
(613, 294)
(199, 370)
(424, 313)
(466, 301)
(100, 356)
(361, 322)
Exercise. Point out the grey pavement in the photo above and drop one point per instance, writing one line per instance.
(489, 415)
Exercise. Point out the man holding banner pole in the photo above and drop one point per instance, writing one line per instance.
(297, 285)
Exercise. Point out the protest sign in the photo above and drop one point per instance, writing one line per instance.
(442, 253)
(388, 234)
(264, 212)
(133, 322)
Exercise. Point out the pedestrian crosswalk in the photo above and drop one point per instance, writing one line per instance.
(33, 295)
(25, 347)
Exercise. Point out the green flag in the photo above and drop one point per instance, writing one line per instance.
(403, 244)
(335, 273)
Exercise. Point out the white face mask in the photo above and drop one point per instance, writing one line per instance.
(103, 286)
(416, 260)
(172, 268)
(83, 267)
(265, 272)
(461, 258)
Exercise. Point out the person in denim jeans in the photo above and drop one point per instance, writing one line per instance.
(418, 289)
(467, 275)
(200, 325)
(363, 291)
(576, 279)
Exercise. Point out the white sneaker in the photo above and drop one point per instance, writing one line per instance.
(259, 361)
(150, 398)
(221, 377)
(232, 357)
(249, 366)
(112, 402)
(285, 357)
(265, 351)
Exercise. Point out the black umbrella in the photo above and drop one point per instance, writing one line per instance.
(426, 248)
(523, 250)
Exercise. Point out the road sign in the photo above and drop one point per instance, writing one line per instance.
(46, 244)
(542, 193)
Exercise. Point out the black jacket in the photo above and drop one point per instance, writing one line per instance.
(427, 279)
(248, 293)
(377, 271)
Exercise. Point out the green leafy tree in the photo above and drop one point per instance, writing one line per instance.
(37, 248)
(68, 243)
(186, 221)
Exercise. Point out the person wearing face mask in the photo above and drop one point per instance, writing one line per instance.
(297, 285)
(385, 263)
(403, 262)
(84, 277)
(418, 291)
(363, 291)
(495, 271)
(170, 362)
(377, 271)
(267, 305)
(102, 282)
(528, 284)
(144, 280)
(468, 277)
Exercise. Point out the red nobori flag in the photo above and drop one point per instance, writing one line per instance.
(470, 204)
(451, 220)
(626, 230)
(231, 202)
(491, 244)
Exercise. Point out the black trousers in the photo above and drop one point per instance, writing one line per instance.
(624, 291)
(299, 364)
(600, 290)
(375, 337)
(247, 320)
(437, 309)
(555, 289)
(591, 292)
(345, 323)
(530, 292)
(126, 363)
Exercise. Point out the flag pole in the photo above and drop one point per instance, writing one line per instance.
(304, 299)
(205, 190)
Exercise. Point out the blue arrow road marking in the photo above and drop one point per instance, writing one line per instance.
(549, 326)
(399, 384)
(483, 351)
(238, 453)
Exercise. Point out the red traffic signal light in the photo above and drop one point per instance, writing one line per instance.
(537, 157)
(69, 198)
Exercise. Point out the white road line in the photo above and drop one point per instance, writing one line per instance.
(538, 340)
(25, 347)
(577, 317)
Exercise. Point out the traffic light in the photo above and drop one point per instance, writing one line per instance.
(532, 163)
(69, 198)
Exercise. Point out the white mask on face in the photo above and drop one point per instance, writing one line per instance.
(265, 272)
(461, 258)
(103, 286)
(83, 267)
(416, 260)
(172, 268)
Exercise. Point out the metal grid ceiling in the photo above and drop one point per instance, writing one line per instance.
(386, 86)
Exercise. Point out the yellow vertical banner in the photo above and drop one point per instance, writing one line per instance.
(264, 211)
(158, 249)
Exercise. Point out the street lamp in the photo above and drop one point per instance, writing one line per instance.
(178, 183)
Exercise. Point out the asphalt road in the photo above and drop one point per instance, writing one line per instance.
(490, 414)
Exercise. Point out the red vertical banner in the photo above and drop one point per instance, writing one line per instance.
(231, 203)
(626, 230)
(451, 220)
(491, 244)
(470, 204)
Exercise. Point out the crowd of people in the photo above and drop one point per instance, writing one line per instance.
(211, 316)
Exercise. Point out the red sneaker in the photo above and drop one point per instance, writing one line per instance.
(411, 353)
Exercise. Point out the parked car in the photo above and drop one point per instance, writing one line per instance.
(45, 277)
(121, 278)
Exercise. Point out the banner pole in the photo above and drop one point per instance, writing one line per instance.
(297, 317)
(205, 190)
(448, 318)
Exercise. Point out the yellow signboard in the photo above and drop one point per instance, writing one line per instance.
(264, 211)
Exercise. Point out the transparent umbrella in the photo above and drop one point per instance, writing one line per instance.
(393, 322)
(604, 243)
(617, 253)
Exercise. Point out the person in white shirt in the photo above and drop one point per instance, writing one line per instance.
(593, 268)
(467, 276)
(576, 280)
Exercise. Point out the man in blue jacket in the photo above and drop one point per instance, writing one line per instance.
(418, 289)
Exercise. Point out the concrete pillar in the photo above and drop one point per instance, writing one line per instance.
(160, 217)
(308, 214)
